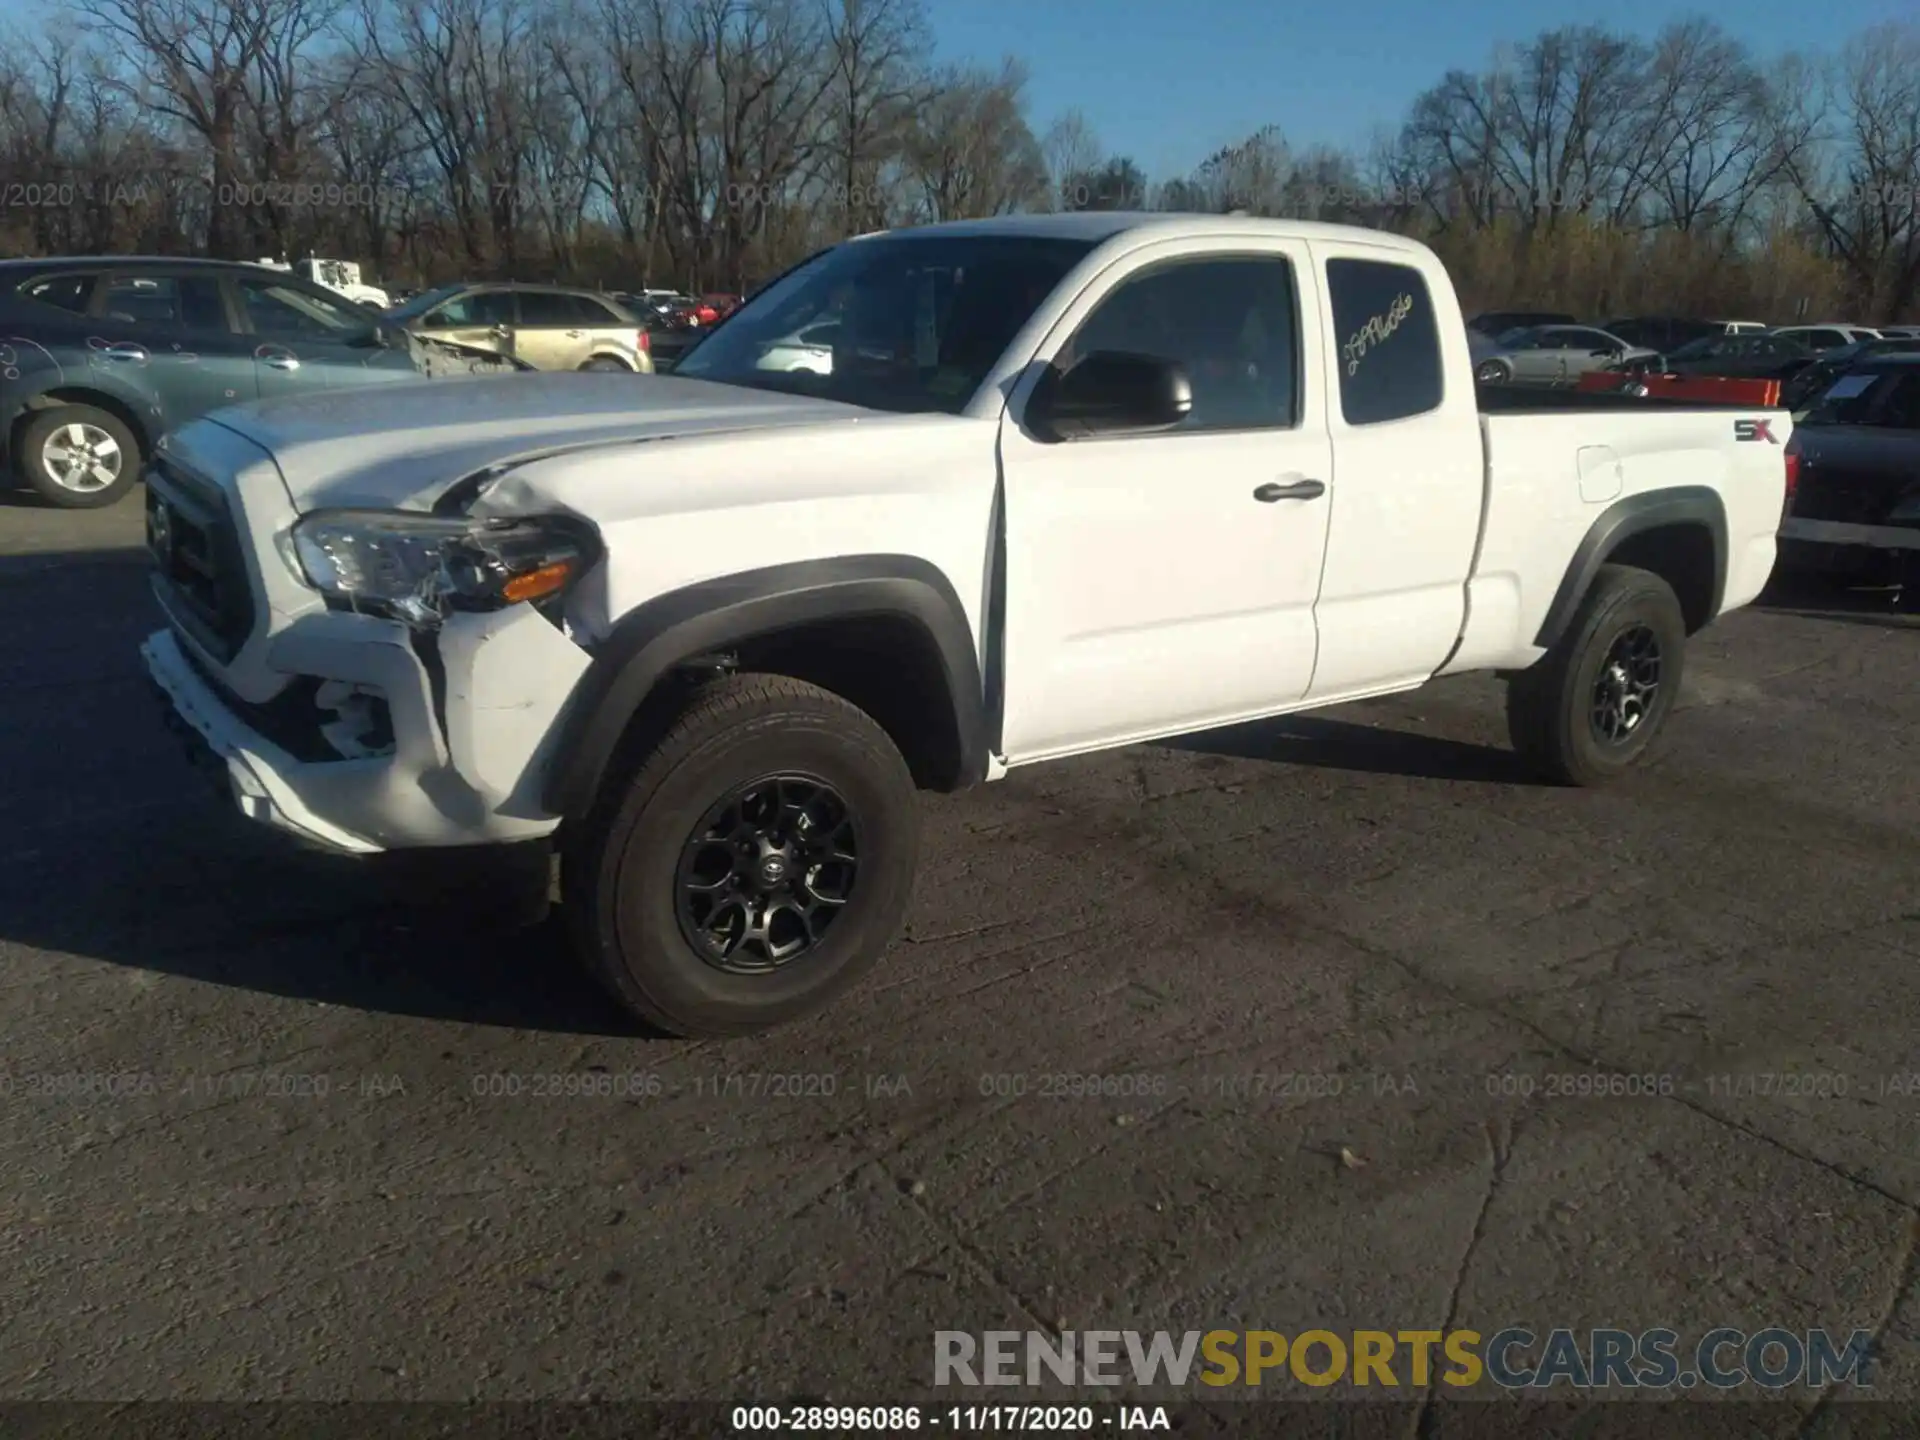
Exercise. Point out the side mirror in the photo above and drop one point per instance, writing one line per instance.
(1111, 393)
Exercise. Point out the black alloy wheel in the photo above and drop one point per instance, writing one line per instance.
(1627, 686)
(766, 872)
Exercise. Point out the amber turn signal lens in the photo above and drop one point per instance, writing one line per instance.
(536, 583)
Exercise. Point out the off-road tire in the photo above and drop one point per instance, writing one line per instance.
(32, 467)
(1549, 704)
(619, 866)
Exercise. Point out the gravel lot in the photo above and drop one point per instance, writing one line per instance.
(1369, 894)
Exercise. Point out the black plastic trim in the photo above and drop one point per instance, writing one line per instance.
(1682, 505)
(646, 645)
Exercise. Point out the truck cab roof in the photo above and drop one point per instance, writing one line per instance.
(1101, 225)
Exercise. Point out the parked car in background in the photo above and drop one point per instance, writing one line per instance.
(1900, 332)
(1855, 507)
(1663, 333)
(1741, 357)
(654, 305)
(1553, 355)
(1826, 337)
(548, 327)
(809, 348)
(1829, 365)
(340, 276)
(100, 357)
(1499, 322)
(669, 342)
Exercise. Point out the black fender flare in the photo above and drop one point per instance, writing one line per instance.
(1681, 505)
(649, 642)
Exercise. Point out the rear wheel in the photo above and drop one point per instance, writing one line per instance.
(602, 363)
(755, 865)
(1591, 707)
(79, 457)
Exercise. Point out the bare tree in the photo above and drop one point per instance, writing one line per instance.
(879, 49)
(1070, 150)
(209, 64)
(972, 151)
(1861, 178)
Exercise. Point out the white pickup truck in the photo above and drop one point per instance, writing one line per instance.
(1070, 482)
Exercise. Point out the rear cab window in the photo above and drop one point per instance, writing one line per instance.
(1387, 341)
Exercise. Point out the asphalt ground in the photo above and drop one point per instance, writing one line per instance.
(277, 1126)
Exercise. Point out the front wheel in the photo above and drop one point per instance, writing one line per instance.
(79, 457)
(1591, 707)
(754, 866)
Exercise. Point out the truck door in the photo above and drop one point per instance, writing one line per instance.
(1409, 487)
(1160, 583)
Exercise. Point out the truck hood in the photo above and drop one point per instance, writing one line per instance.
(402, 445)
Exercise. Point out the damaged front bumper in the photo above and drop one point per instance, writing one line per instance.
(390, 739)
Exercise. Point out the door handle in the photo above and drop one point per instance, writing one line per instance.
(1298, 490)
(283, 362)
(575, 334)
(125, 352)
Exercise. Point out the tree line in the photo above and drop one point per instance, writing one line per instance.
(710, 143)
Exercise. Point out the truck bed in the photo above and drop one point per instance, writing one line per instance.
(1569, 471)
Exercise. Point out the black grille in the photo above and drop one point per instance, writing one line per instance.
(196, 553)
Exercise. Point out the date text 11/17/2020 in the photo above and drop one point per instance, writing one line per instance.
(896, 1419)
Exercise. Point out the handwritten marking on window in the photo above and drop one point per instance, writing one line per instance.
(1375, 331)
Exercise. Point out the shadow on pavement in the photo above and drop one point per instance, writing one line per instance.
(114, 848)
(1342, 745)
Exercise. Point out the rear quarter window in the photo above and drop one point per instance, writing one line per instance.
(1388, 341)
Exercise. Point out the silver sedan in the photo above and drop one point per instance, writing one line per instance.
(1551, 354)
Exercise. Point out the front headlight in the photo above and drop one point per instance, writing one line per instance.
(422, 567)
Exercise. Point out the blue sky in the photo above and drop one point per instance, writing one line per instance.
(1168, 81)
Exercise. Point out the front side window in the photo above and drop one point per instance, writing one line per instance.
(1388, 341)
(1229, 322)
(920, 320)
(485, 307)
(288, 312)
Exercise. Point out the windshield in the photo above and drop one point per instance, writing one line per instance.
(1853, 399)
(423, 302)
(910, 323)
(1694, 349)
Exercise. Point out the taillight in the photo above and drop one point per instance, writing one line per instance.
(1792, 459)
(643, 342)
